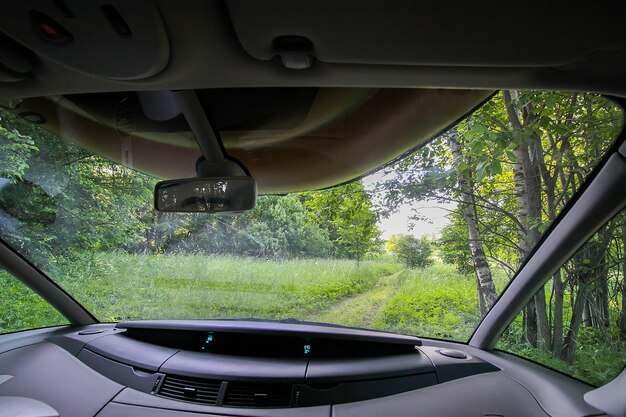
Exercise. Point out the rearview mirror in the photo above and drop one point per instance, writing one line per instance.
(212, 195)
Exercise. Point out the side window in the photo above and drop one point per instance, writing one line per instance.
(578, 324)
(23, 309)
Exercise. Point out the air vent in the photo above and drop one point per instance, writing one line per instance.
(246, 394)
(204, 391)
(238, 394)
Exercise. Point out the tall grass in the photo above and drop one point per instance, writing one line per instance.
(21, 308)
(433, 302)
(117, 286)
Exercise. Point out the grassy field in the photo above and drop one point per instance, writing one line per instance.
(435, 301)
(122, 287)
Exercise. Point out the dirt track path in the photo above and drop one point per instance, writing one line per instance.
(361, 310)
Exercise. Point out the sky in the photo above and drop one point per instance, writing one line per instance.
(434, 212)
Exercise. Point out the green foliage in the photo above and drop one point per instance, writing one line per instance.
(63, 201)
(281, 226)
(14, 152)
(115, 286)
(511, 167)
(22, 309)
(278, 227)
(433, 302)
(412, 252)
(453, 247)
(600, 355)
(346, 214)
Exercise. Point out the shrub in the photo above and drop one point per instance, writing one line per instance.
(412, 252)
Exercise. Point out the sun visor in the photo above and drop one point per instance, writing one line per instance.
(289, 139)
(408, 32)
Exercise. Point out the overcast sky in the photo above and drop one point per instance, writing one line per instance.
(434, 212)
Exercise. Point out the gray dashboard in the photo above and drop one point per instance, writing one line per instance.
(100, 370)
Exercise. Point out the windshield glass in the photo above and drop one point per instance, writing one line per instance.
(423, 246)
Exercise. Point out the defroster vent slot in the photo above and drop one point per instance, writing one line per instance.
(261, 395)
(203, 391)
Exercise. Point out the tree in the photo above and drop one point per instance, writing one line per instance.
(484, 280)
(412, 252)
(511, 167)
(346, 214)
(453, 247)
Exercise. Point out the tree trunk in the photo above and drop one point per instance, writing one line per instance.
(532, 168)
(571, 339)
(486, 287)
(482, 307)
(600, 310)
(557, 335)
(483, 272)
(544, 340)
(530, 322)
(586, 321)
(527, 182)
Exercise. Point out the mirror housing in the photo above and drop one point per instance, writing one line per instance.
(206, 195)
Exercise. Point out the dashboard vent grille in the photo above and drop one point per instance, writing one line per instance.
(204, 391)
(246, 394)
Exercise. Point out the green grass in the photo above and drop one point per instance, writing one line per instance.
(361, 310)
(433, 302)
(600, 355)
(21, 308)
(122, 287)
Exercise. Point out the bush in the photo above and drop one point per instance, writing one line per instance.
(412, 252)
(433, 302)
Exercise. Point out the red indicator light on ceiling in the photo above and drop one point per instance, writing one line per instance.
(48, 30)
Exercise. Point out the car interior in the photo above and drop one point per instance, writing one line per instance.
(269, 98)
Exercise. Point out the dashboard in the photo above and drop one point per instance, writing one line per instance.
(257, 368)
(259, 364)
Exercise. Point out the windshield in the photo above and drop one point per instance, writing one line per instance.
(423, 246)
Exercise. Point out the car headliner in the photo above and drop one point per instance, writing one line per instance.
(208, 45)
(400, 43)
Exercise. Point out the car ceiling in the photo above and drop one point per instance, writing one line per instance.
(209, 44)
(356, 50)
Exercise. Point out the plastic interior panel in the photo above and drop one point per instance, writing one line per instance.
(131, 352)
(16, 340)
(335, 370)
(448, 368)
(558, 395)
(273, 327)
(47, 373)
(610, 398)
(96, 48)
(25, 407)
(491, 394)
(347, 392)
(72, 341)
(235, 368)
(132, 397)
(410, 33)
(201, 34)
(119, 372)
(122, 410)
